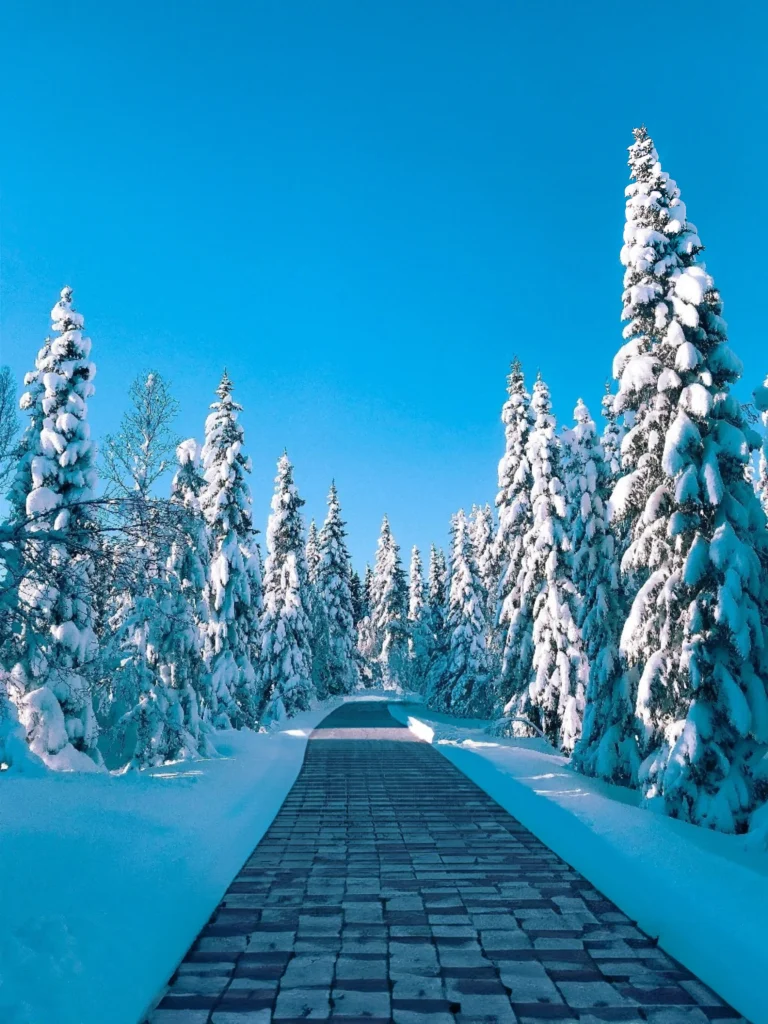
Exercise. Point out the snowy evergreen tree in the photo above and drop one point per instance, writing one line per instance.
(513, 506)
(320, 644)
(366, 635)
(543, 657)
(613, 434)
(286, 624)
(358, 597)
(15, 753)
(464, 689)
(419, 641)
(607, 747)
(436, 618)
(416, 595)
(55, 480)
(697, 552)
(188, 568)
(761, 402)
(482, 534)
(312, 553)
(334, 573)
(232, 629)
(389, 610)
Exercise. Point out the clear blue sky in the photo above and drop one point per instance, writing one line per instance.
(364, 210)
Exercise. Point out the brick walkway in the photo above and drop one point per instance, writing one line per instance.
(391, 888)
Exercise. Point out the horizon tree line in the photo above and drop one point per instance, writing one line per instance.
(614, 603)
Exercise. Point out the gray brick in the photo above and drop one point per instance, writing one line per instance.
(387, 869)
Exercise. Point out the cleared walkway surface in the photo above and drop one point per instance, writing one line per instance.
(391, 888)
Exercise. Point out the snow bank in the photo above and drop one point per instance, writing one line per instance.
(703, 894)
(106, 880)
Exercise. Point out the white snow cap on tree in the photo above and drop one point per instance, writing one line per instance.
(697, 552)
(482, 534)
(57, 475)
(435, 619)
(543, 657)
(312, 553)
(419, 640)
(465, 688)
(286, 656)
(232, 627)
(607, 747)
(389, 610)
(513, 502)
(189, 567)
(333, 583)
(760, 395)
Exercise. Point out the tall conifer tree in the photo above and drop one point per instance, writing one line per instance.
(465, 687)
(333, 574)
(606, 747)
(389, 610)
(233, 609)
(543, 657)
(697, 553)
(513, 506)
(55, 479)
(286, 625)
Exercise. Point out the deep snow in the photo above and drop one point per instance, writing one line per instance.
(703, 894)
(106, 880)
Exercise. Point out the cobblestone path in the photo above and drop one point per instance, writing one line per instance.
(391, 888)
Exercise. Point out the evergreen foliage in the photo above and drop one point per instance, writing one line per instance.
(56, 478)
(543, 655)
(232, 627)
(286, 655)
(607, 747)
(389, 611)
(333, 582)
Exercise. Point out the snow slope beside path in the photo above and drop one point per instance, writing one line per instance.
(703, 894)
(105, 881)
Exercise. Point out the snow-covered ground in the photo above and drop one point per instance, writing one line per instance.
(106, 880)
(703, 894)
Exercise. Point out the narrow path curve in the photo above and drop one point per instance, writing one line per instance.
(391, 888)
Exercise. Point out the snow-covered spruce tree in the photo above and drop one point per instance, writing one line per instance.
(358, 599)
(513, 506)
(543, 655)
(367, 588)
(15, 753)
(419, 641)
(366, 635)
(613, 434)
(320, 644)
(607, 747)
(697, 547)
(482, 534)
(188, 567)
(54, 483)
(761, 486)
(435, 616)
(333, 574)
(312, 552)
(286, 655)
(232, 629)
(465, 687)
(389, 611)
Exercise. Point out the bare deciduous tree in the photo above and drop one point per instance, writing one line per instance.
(144, 447)
(9, 425)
